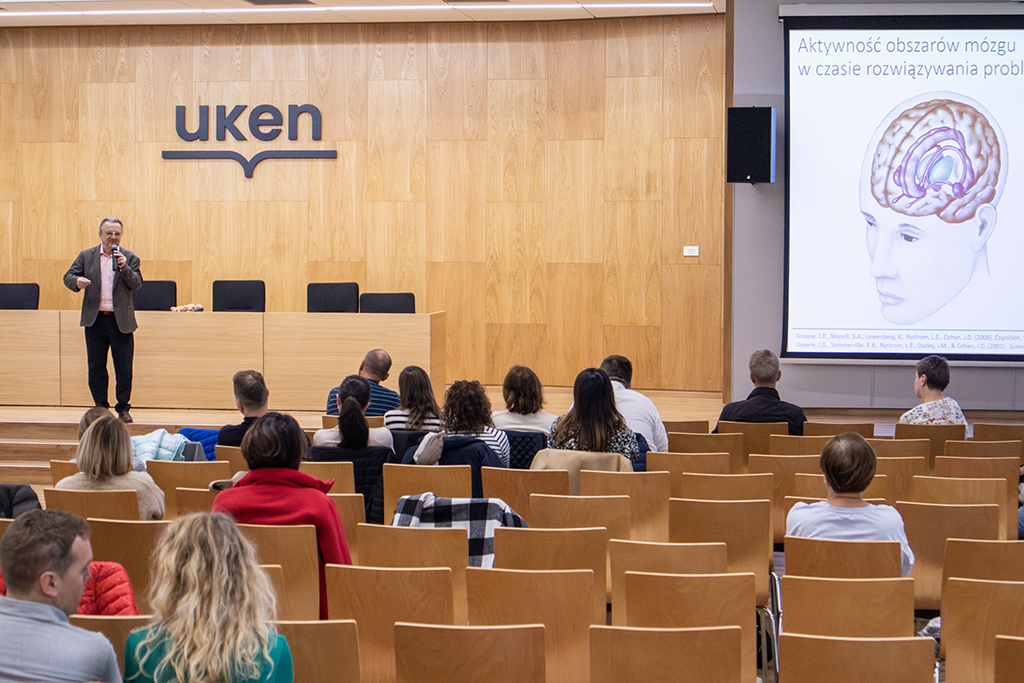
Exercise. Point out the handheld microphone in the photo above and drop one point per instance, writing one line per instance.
(114, 251)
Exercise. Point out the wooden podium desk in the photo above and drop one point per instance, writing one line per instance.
(30, 358)
(186, 360)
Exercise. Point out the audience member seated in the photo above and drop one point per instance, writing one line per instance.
(524, 399)
(467, 412)
(375, 368)
(848, 462)
(251, 397)
(763, 403)
(275, 492)
(935, 409)
(637, 410)
(593, 423)
(213, 611)
(352, 430)
(44, 557)
(418, 409)
(91, 415)
(105, 462)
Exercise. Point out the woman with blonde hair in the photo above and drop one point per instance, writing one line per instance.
(213, 611)
(105, 463)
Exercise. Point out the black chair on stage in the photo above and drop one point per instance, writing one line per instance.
(391, 302)
(156, 295)
(246, 296)
(19, 296)
(332, 297)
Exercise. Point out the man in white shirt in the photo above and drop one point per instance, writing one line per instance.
(638, 410)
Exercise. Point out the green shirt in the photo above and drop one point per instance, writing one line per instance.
(279, 672)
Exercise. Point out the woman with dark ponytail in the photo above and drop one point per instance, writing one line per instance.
(352, 430)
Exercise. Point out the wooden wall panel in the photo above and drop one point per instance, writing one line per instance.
(456, 201)
(633, 143)
(576, 75)
(457, 82)
(516, 133)
(108, 54)
(535, 180)
(632, 271)
(575, 201)
(635, 47)
(694, 213)
(694, 76)
(106, 152)
(397, 141)
(49, 71)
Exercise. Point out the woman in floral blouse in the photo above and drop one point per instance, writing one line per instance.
(593, 423)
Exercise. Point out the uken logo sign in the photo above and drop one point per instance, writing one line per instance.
(265, 123)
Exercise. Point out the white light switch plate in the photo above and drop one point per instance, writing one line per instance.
(691, 251)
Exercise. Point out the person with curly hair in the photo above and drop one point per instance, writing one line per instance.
(593, 423)
(213, 611)
(467, 412)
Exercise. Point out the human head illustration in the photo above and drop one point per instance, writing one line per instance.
(932, 176)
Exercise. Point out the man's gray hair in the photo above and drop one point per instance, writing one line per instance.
(764, 366)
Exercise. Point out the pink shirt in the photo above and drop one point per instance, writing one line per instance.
(106, 282)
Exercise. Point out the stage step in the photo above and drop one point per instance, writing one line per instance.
(31, 473)
(68, 431)
(20, 450)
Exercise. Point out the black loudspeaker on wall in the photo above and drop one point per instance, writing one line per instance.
(750, 145)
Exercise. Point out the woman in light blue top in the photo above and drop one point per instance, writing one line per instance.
(213, 611)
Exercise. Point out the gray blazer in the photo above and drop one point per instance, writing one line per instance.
(87, 264)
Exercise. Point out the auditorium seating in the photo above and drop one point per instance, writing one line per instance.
(244, 296)
(390, 302)
(19, 296)
(156, 295)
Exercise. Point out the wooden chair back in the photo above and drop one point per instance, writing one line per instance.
(784, 444)
(813, 486)
(756, 435)
(62, 469)
(974, 612)
(648, 499)
(688, 442)
(556, 599)
(687, 426)
(661, 558)
(194, 500)
(987, 431)
(856, 608)
(323, 651)
(681, 655)
(575, 461)
(928, 525)
(902, 448)
(725, 486)
(696, 601)
(377, 598)
(1009, 656)
(233, 454)
(825, 558)
(352, 512)
(406, 546)
(444, 481)
(812, 659)
(572, 512)
(275, 573)
(4, 523)
(678, 463)
(295, 549)
(937, 435)
(1007, 469)
(170, 476)
(558, 549)
(130, 543)
(514, 654)
(865, 429)
(983, 449)
(784, 467)
(343, 474)
(328, 421)
(514, 486)
(375, 421)
(743, 525)
(112, 504)
(957, 491)
(115, 628)
(901, 472)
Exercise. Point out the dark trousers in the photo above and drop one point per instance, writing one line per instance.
(101, 336)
